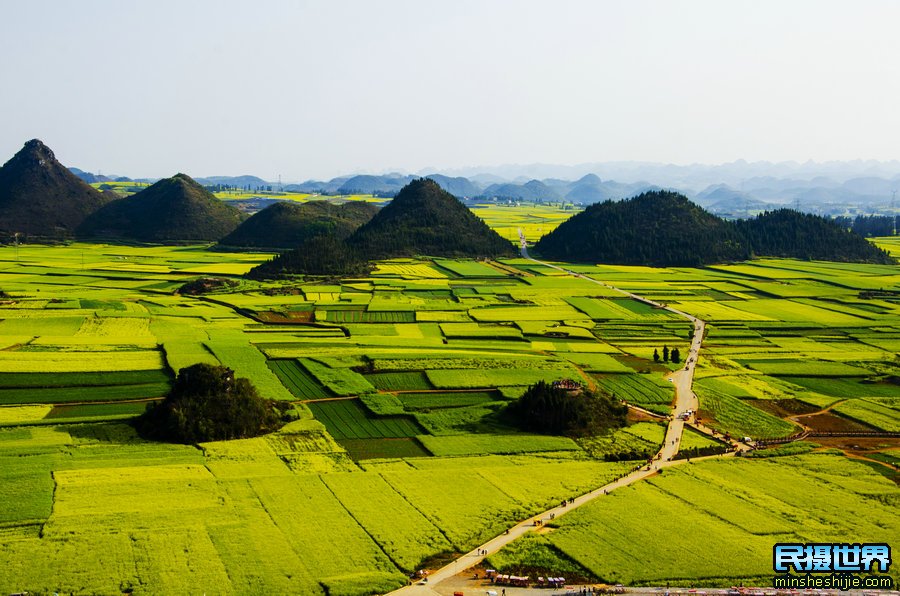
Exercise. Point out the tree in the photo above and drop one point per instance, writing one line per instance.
(655, 355)
(207, 403)
(553, 410)
(675, 355)
(665, 353)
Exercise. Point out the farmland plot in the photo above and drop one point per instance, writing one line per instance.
(738, 506)
(406, 535)
(733, 416)
(347, 419)
(298, 381)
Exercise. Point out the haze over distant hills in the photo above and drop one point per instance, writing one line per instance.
(42, 199)
(737, 189)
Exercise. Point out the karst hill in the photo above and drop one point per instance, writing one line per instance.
(175, 209)
(665, 229)
(40, 199)
(423, 219)
(657, 228)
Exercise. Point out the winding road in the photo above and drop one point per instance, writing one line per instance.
(685, 401)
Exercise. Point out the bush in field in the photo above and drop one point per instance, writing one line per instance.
(205, 285)
(553, 410)
(208, 404)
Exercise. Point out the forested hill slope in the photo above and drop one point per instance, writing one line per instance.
(40, 198)
(789, 233)
(657, 228)
(285, 225)
(175, 209)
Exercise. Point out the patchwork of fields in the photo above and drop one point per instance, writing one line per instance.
(401, 378)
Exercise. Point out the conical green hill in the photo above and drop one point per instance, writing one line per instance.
(175, 209)
(658, 228)
(40, 198)
(424, 219)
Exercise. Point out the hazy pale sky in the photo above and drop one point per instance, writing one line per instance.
(317, 89)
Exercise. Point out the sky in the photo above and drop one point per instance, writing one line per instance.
(314, 89)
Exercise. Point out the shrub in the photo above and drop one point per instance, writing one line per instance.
(207, 403)
(547, 409)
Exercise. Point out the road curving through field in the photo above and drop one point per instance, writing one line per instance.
(685, 402)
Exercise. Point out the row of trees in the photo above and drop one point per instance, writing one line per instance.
(673, 355)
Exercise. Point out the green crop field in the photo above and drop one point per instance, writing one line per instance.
(300, 383)
(420, 460)
(400, 381)
(739, 507)
(437, 399)
(849, 387)
(654, 394)
(731, 415)
(347, 419)
(880, 415)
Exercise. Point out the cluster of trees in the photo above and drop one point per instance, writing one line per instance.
(674, 355)
(205, 285)
(869, 225)
(207, 403)
(321, 255)
(662, 228)
(789, 233)
(546, 409)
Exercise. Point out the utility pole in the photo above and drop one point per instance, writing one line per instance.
(894, 212)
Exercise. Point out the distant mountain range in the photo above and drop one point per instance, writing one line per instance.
(40, 199)
(735, 190)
